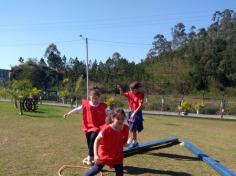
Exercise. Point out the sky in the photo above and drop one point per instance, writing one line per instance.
(27, 27)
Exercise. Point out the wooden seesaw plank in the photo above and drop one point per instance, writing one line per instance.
(150, 145)
(208, 160)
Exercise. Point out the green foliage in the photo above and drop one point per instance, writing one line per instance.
(78, 85)
(185, 106)
(201, 59)
(111, 101)
(63, 94)
(199, 105)
(34, 92)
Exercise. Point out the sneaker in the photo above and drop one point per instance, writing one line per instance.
(88, 161)
(134, 144)
(129, 141)
(85, 160)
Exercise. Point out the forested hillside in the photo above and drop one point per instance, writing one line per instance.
(194, 60)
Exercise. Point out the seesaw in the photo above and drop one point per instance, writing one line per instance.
(208, 160)
(167, 143)
(151, 145)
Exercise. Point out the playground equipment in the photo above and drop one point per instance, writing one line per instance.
(154, 145)
(208, 160)
(151, 145)
(29, 104)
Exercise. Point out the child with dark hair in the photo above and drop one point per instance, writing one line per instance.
(94, 116)
(108, 146)
(135, 98)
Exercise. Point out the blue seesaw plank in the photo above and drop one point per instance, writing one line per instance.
(208, 160)
(129, 150)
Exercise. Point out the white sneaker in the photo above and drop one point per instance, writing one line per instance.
(85, 160)
(130, 140)
(134, 144)
(88, 161)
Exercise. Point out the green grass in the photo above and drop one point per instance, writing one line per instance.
(40, 143)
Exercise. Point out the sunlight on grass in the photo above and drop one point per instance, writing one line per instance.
(40, 143)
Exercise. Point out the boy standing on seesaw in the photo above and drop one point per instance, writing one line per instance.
(135, 98)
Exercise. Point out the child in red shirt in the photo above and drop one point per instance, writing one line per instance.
(94, 116)
(135, 101)
(108, 146)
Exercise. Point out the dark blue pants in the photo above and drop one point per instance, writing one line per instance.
(91, 136)
(97, 168)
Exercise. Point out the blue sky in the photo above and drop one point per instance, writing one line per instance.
(27, 27)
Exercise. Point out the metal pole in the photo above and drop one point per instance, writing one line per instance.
(87, 77)
(86, 39)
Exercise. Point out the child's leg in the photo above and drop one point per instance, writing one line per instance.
(134, 135)
(119, 169)
(94, 170)
(88, 142)
(93, 136)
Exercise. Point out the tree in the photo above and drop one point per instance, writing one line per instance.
(53, 57)
(78, 88)
(179, 36)
(20, 89)
(21, 60)
(64, 62)
(42, 62)
(160, 45)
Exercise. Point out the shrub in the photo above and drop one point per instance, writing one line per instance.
(185, 106)
(210, 110)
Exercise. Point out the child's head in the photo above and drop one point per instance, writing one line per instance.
(135, 86)
(118, 116)
(94, 95)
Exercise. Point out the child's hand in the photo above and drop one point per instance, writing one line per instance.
(96, 159)
(132, 115)
(118, 87)
(66, 115)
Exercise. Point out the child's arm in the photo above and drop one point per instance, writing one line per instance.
(120, 89)
(74, 111)
(137, 110)
(95, 148)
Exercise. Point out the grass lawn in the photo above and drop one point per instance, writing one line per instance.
(40, 143)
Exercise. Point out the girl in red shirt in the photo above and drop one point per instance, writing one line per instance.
(108, 146)
(135, 101)
(94, 116)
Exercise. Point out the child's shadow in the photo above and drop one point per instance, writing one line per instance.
(137, 171)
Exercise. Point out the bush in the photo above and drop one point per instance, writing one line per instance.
(185, 106)
(230, 111)
(210, 110)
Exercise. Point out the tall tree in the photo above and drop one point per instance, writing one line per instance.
(160, 45)
(42, 62)
(179, 36)
(53, 57)
(21, 60)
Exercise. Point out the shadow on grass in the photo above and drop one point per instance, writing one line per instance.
(40, 114)
(138, 171)
(175, 156)
(171, 124)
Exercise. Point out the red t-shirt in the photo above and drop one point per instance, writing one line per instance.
(93, 116)
(110, 149)
(134, 99)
